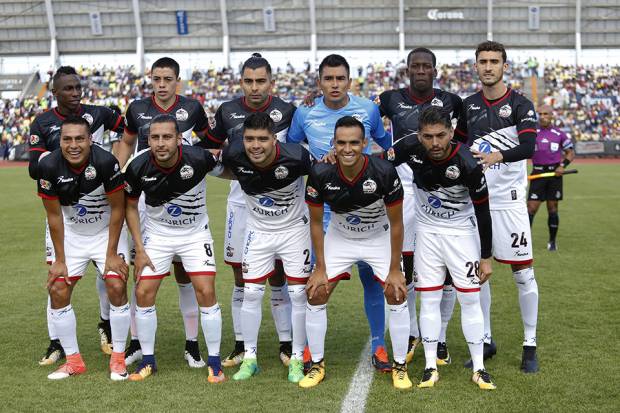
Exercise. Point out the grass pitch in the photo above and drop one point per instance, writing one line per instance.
(577, 337)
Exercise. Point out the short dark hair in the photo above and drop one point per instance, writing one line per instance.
(254, 62)
(63, 71)
(259, 120)
(167, 62)
(334, 60)
(434, 116)
(349, 122)
(422, 50)
(75, 120)
(165, 118)
(491, 46)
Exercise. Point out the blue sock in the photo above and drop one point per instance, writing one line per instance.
(374, 305)
(214, 363)
(149, 359)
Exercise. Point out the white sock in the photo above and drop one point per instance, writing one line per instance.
(528, 301)
(448, 299)
(189, 310)
(132, 314)
(251, 316)
(65, 326)
(281, 312)
(119, 323)
(485, 305)
(146, 324)
(430, 324)
(211, 321)
(399, 330)
(51, 330)
(104, 301)
(299, 299)
(472, 323)
(236, 303)
(414, 330)
(316, 328)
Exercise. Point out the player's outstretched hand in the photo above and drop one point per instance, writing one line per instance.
(317, 280)
(486, 269)
(487, 159)
(58, 269)
(395, 281)
(329, 157)
(116, 264)
(141, 261)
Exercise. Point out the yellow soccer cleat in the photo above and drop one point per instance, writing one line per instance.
(400, 379)
(413, 343)
(483, 380)
(144, 370)
(314, 376)
(430, 377)
(105, 337)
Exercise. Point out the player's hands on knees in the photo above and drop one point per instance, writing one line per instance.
(317, 280)
(58, 269)
(140, 262)
(396, 286)
(486, 269)
(487, 159)
(116, 264)
(329, 157)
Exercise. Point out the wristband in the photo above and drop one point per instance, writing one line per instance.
(565, 163)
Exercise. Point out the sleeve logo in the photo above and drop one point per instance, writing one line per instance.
(34, 139)
(390, 154)
(47, 185)
(312, 192)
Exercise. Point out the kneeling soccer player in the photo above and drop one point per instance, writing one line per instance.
(81, 186)
(271, 176)
(172, 177)
(365, 196)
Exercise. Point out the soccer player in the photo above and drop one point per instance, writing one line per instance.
(315, 124)
(172, 177)
(270, 174)
(403, 107)
(257, 85)
(44, 138)
(554, 152)
(82, 190)
(365, 196)
(190, 117)
(453, 232)
(500, 126)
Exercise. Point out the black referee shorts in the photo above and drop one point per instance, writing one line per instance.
(545, 189)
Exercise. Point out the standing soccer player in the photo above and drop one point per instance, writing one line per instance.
(554, 152)
(365, 196)
(270, 174)
(403, 108)
(190, 117)
(316, 125)
(257, 85)
(453, 232)
(44, 138)
(500, 126)
(172, 177)
(82, 191)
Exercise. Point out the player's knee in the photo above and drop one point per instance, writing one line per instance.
(145, 295)
(60, 294)
(205, 294)
(117, 291)
(394, 299)
(319, 297)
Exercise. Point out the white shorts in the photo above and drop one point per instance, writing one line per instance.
(261, 250)
(436, 253)
(50, 255)
(236, 217)
(341, 253)
(80, 250)
(408, 223)
(512, 236)
(195, 252)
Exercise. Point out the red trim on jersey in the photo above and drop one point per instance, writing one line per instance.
(524, 262)
(527, 130)
(261, 109)
(173, 167)
(420, 101)
(467, 290)
(357, 177)
(314, 204)
(118, 188)
(407, 253)
(42, 195)
(71, 278)
(460, 132)
(155, 276)
(37, 149)
(437, 288)
(454, 151)
(233, 264)
(343, 276)
(214, 139)
(260, 279)
(495, 102)
(204, 131)
(199, 273)
(162, 110)
(79, 169)
(379, 280)
(275, 159)
(301, 280)
(398, 201)
(118, 122)
(480, 201)
(62, 117)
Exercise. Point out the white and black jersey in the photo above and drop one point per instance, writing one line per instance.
(82, 191)
(358, 205)
(176, 202)
(274, 195)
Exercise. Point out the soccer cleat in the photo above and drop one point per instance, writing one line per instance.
(248, 368)
(443, 356)
(146, 368)
(400, 379)
(551, 246)
(236, 356)
(413, 343)
(380, 360)
(529, 360)
(74, 366)
(133, 352)
(429, 378)
(192, 354)
(483, 380)
(307, 360)
(489, 350)
(314, 376)
(295, 371)
(216, 375)
(118, 368)
(105, 336)
(286, 350)
(53, 353)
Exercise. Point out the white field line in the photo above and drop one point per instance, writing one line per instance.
(355, 400)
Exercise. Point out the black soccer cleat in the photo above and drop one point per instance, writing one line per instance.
(53, 353)
(192, 354)
(551, 246)
(286, 351)
(490, 349)
(105, 336)
(133, 352)
(443, 355)
(236, 356)
(529, 360)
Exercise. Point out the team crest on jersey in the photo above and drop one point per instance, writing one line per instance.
(275, 115)
(47, 185)
(530, 112)
(281, 172)
(437, 102)
(186, 172)
(358, 116)
(34, 139)
(505, 111)
(88, 118)
(452, 172)
(390, 154)
(369, 186)
(181, 115)
(90, 172)
(116, 167)
(312, 192)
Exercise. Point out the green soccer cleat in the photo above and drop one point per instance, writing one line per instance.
(295, 370)
(248, 368)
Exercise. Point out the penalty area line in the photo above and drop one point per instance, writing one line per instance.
(355, 400)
